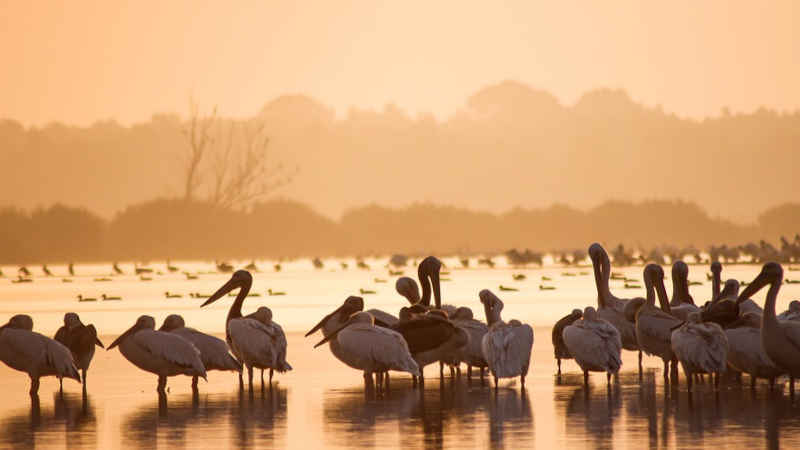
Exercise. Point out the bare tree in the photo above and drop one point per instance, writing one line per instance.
(242, 171)
(198, 134)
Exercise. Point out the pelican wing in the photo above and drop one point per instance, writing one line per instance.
(260, 345)
(172, 348)
(507, 349)
(791, 329)
(383, 318)
(595, 345)
(657, 324)
(382, 346)
(472, 353)
(703, 345)
(34, 352)
(425, 333)
(61, 336)
(59, 358)
(213, 350)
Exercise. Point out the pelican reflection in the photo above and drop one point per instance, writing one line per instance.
(70, 422)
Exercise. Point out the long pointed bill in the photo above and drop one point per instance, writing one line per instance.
(662, 297)
(677, 326)
(123, 336)
(760, 281)
(99, 343)
(324, 320)
(437, 291)
(227, 287)
(332, 335)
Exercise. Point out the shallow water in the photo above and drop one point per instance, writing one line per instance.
(323, 403)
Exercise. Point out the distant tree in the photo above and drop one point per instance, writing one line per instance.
(198, 135)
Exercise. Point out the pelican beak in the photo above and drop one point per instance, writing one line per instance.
(677, 326)
(227, 287)
(324, 319)
(760, 281)
(332, 335)
(437, 291)
(662, 296)
(99, 343)
(124, 336)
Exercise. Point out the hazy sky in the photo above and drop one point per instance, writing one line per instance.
(80, 61)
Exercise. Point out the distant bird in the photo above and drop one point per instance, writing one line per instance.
(277, 267)
(518, 276)
(190, 276)
(81, 298)
(595, 344)
(273, 293)
(71, 269)
(700, 348)
(117, 270)
(506, 346)
(780, 339)
(46, 270)
(27, 351)
(141, 270)
(559, 347)
(252, 267)
(256, 340)
(362, 265)
(66, 280)
(472, 353)
(508, 289)
(224, 267)
(317, 263)
(108, 297)
(546, 288)
(80, 339)
(366, 291)
(102, 279)
(171, 268)
(213, 351)
(168, 295)
(144, 278)
(545, 278)
(343, 265)
(158, 352)
(379, 280)
(24, 271)
(372, 349)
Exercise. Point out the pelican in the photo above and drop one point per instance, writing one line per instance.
(745, 353)
(472, 353)
(793, 313)
(727, 306)
(701, 348)
(428, 273)
(506, 346)
(256, 341)
(213, 351)
(164, 354)
(780, 339)
(609, 307)
(170, 295)
(108, 297)
(27, 351)
(682, 303)
(80, 339)
(594, 343)
(81, 298)
(372, 349)
(559, 347)
(716, 270)
(654, 326)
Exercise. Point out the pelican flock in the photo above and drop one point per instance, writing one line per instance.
(730, 332)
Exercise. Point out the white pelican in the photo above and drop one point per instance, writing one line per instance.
(472, 353)
(654, 326)
(745, 352)
(682, 303)
(595, 344)
(780, 339)
(80, 339)
(506, 346)
(371, 349)
(213, 351)
(164, 354)
(560, 349)
(27, 351)
(256, 341)
(701, 347)
(609, 307)
(792, 313)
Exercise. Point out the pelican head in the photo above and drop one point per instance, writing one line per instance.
(680, 271)
(794, 306)
(463, 313)
(716, 268)
(492, 305)
(654, 281)
(408, 288)
(142, 323)
(428, 273)
(71, 320)
(596, 253)
(20, 322)
(239, 279)
(731, 288)
(589, 313)
(263, 315)
(359, 317)
(351, 305)
(771, 273)
(172, 322)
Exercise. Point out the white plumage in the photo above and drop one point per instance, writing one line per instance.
(701, 347)
(506, 346)
(375, 349)
(35, 354)
(746, 354)
(594, 343)
(472, 353)
(259, 345)
(654, 326)
(158, 352)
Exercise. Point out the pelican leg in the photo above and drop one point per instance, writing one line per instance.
(458, 371)
(60, 384)
(608, 378)
(640, 364)
(585, 377)
(689, 381)
(482, 381)
(83, 379)
(262, 379)
(241, 382)
(772, 383)
(452, 372)
(752, 382)
(496, 384)
(441, 370)
(250, 377)
(559, 366)
(469, 372)
(522, 381)
(270, 378)
(666, 370)
(194, 383)
(34, 386)
(791, 386)
(413, 381)
(386, 378)
(716, 377)
(162, 385)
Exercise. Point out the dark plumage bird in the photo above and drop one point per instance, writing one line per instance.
(80, 339)
(559, 347)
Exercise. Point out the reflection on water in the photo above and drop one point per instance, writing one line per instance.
(220, 420)
(450, 412)
(70, 419)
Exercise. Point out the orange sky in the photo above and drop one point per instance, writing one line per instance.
(80, 61)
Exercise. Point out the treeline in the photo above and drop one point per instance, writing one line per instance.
(179, 229)
(509, 145)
